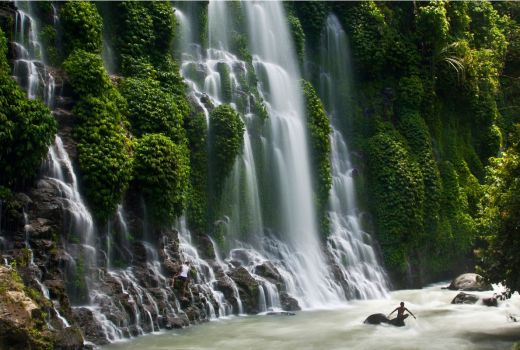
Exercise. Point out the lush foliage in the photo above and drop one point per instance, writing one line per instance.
(500, 223)
(162, 174)
(398, 195)
(226, 131)
(104, 152)
(151, 109)
(197, 206)
(86, 73)
(27, 129)
(319, 133)
(82, 26)
(145, 32)
(298, 37)
(104, 148)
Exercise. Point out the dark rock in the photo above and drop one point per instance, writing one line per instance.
(69, 338)
(176, 322)
(92, 331)
(268, 271)
(288, 303)
(247, 288)
(491, 301)
(470, 282)
(139, 251)
(376, 319)
(464, 298)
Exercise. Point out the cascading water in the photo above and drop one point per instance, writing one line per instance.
(276, 65)
(126, 287)
(349, 247)
(275, 160)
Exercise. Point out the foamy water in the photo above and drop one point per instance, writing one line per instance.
(439, 325)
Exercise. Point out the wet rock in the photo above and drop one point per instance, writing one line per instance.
(470, 282)
(376, 319)
(464, 298)
(491, 301)
(139, 252)
(269, 272)
(21, 318)
(247, 288)
(288, 303)
(92, 331)
(176, 322)
(69, 338)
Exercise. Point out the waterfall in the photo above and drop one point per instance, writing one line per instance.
(267, 205)
(349, 246)
(287, 148)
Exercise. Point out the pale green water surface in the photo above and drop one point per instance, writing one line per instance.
(439, 325)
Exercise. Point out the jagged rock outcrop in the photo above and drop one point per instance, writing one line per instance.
(247, 288)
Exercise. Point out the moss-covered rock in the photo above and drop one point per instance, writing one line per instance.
(22, 320)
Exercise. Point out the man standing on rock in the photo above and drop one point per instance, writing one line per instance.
(183, 277)
(401, 316)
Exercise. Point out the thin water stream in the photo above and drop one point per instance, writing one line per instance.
(439, 325)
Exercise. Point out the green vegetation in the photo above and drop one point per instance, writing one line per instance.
(27, 128)
(82, 26)
(162, 170)
(319, 133)
(432, 103)
(197, 206)
(500, 215)
(104, 153)
(151, 109)
(226, 131)
(104, 147)
(145, 33)
(86, 73)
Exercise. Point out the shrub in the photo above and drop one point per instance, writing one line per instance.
(151, 110)
(82, 26)
(86, 73)
(196, 130)
(27, 128)
(162, 171)
(225, 141)
(104, 153)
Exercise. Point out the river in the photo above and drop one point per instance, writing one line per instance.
(439, 325)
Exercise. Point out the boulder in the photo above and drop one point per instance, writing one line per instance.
(268, 271)
(470, 282)
(381, 318)
(247, 288)
(288, 303)
(491, 301)
(69, 338)
(464, 298)
(91, 329)
(376, 319)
